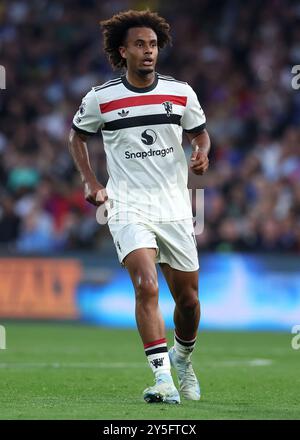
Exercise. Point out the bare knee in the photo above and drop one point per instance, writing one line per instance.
(146, 289)
(188, 303)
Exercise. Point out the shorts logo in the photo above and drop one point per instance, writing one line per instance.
(168, 107)
(119, 246)
(148, 137)
(82, 108)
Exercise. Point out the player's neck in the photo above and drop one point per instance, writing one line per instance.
(141, 81)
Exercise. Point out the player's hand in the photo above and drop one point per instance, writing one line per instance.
(95, 193)
(199, 162)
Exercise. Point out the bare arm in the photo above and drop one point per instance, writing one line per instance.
(201, 146)
(94, 192)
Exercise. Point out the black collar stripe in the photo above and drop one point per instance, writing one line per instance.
(140, 89)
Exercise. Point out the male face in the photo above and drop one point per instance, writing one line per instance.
(140, 50)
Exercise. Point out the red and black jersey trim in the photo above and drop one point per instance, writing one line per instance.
(134, 101)
(139, 121)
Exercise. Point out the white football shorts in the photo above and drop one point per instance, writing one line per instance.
(174, 241)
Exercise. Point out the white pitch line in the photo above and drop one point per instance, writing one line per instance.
(246, 363)
(220, 364)
(73, 365)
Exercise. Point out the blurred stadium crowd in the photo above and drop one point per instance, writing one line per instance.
(236, 55)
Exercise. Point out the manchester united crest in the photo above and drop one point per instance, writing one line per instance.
(168, 107)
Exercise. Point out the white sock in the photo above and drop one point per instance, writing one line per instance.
(158, 357)
(183, 347)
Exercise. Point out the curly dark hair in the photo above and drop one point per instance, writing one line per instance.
(115, 31)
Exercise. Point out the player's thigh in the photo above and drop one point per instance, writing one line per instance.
(183, 285)
(140, 264)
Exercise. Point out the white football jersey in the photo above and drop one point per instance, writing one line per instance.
(142, 135)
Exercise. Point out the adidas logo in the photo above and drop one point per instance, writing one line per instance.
(123, 113)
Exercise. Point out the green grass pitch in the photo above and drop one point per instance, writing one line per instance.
(64, 371)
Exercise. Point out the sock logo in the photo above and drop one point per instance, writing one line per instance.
(157, 362)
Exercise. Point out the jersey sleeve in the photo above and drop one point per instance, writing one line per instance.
(87, 119)
(193, 119)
